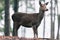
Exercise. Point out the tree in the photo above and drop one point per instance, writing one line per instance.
(52, 22)
(58, 27)
(7, 19)
(58, 20)
(16, 5)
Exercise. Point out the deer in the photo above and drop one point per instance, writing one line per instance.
(29, 20)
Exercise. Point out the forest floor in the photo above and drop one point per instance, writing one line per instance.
(22, 38)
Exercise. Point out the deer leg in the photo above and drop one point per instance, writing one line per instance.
(35, 32)
(15, 29)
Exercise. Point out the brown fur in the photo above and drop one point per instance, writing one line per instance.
(28, 20)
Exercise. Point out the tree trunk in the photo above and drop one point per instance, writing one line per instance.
(52, 22)
(7, 18)
(58, 20)
(58, 27)
(16, 5)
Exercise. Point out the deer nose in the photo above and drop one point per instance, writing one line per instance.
(46, 10)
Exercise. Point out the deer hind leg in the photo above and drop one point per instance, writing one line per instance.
(15, 29)
(35, 32)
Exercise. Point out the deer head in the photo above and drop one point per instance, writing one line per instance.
(43, 6)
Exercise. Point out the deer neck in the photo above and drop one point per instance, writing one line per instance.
(41, 12)
(40, 15)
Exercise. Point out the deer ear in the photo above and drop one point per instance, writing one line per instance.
(46, 3)
(39, 3)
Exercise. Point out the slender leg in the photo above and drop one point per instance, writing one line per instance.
(35, 32)
(15, 30)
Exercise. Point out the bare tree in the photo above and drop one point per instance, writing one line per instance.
(52, 22)
(7, 18)
(58, 27)
(58, 20)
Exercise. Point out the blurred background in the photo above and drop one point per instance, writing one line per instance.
(49, 27)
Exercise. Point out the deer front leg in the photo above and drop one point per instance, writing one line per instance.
(35, 32)
(15, 30)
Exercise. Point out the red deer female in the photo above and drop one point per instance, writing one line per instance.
(29, 20)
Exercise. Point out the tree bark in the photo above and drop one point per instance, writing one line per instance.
(52, 22)
(7, 19)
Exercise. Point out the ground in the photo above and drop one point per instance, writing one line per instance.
(18, 38)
